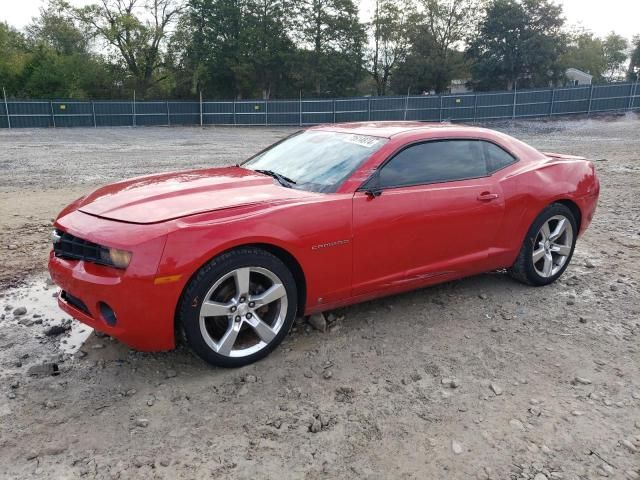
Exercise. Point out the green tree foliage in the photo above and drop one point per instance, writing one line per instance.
(518, 43)
(614, 47)
(13, 57)
(633, 72)
(136, 29)
(390, 37)
(332, 41)
(585, 52)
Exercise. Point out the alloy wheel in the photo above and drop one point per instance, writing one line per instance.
(552, 246)
(243, 311)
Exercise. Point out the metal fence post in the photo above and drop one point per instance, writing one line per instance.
(168, 115)
(134, 108)
(200, 107)
(234, 112)
(553, 94)
(266, 111)
(93, 111)
(440, 107)
(53, 115)
(406, 105)
(369, 109)
(6, 107)
(631, 95)
(475, 107)
(515, 99)
(590, 99)
(300, 107)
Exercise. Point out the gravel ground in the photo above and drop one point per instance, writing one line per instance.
(479, 378)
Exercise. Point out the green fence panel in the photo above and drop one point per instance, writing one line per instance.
(461, 107)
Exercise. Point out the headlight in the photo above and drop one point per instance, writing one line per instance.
(118, 258)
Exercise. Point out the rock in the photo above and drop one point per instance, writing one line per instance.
(456, 447)
(19, 311)
(327, 374)
(47, 451)
(589, 264)
(56, 330)
(515, 423)
(315, 426)
(250, 379)
(171, 373)
(496, 389)
(49, 404)
(613, 288)
(577, 413)
(150, 402)
(12, 246)
(44, 369)
(344, 394)
(482, 296)
(581, 381)
(165, 462)
(629, 446)
(142, 422)
(318, 322)
(308, 374)
(540, 476)
(131, 392)
(450, 382)
(583, 319)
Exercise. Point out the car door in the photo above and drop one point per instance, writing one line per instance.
(432, 210)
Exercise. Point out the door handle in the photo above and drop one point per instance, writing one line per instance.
(486, 196)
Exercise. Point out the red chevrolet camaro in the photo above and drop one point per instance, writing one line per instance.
(330, 216)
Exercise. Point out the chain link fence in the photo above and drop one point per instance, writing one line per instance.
(467, 107)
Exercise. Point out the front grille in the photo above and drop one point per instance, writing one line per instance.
(75, 248)
(74, 302)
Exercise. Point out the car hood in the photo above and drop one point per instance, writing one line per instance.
(166, 196)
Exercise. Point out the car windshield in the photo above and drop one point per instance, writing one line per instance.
(315, 160)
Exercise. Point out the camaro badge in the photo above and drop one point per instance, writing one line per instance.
(329, 244)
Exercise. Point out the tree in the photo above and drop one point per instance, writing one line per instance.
(390, 40)
(585, 52)
(448, 23)
(518, 43)
(633, 72)
(136, 29)
(332, 41)
(614, 47)
(13, 57)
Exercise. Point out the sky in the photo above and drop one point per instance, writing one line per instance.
(598, 16)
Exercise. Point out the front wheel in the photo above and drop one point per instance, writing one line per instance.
(238, 307)
(547, 248)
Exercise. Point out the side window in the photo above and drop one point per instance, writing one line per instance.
(496, 157)
(435, 161)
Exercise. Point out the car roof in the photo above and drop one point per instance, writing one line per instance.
(391, 128)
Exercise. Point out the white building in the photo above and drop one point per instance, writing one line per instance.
(578, 77)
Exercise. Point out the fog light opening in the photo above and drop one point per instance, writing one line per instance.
(108, 315)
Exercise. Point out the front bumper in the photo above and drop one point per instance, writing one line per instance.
(144, 310)
(144, 315)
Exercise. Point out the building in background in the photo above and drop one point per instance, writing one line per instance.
(577, 77)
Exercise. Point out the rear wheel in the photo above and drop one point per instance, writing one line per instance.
(547, 248)
(238, 307)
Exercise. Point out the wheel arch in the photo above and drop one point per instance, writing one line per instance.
(282, 254)
(573, 207)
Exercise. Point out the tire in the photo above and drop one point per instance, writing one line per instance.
(543, 258)
(231, 326)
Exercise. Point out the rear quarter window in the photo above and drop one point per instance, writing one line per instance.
(496, 157)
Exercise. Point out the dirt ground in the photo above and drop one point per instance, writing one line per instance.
(479, 378)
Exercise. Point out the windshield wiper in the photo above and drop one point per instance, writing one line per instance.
(284, 181)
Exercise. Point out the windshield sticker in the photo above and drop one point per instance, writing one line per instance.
(362, 140)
